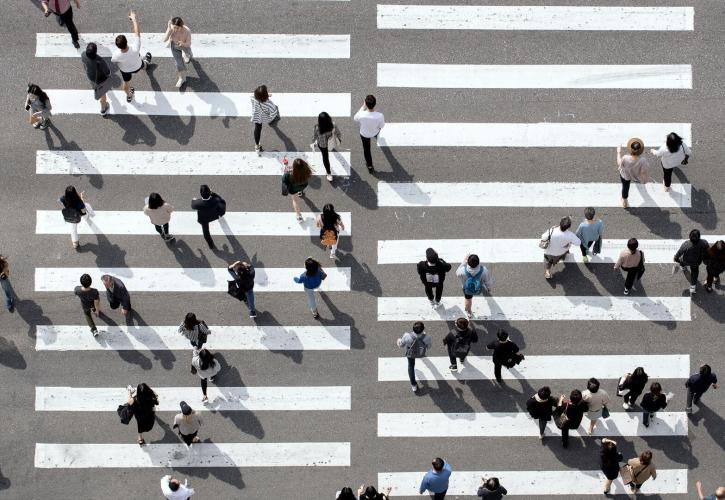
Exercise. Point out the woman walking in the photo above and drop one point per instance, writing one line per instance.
(714, 263)
(597, 399)
(206, 367)
(159, 212)
(642, 468)
(590, 232)
(371, 493)
(541, 407)
(432, 272)
(491, 489)
(195, 330)
(242, 274)
(631, 386)
(459, 340)
(294, 182)
(674, 152)
(75, 208)
(631, 261)
(37, 104)
(632, 167)
(311, 279)
(652, 402)
(326, 136)
(142, 405)
(187, 423)
(574, 409)
(609, 459)
(179, 37)
(330, 225)
(263, 111)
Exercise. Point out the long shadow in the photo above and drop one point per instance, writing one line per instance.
(658, 221)
(10, 355)
(288, 144)
(703, 210)
(94, 179)
(713, 423)
(365, 280)
(237, 251)
(129, 356)
(358, 189)
(169, 126)
(266, 318)
(5, 482)
(357, 339)
(107, 254)
(135, 131)
(203, 85)
(186, 257)
(32, 314)
(710, 303)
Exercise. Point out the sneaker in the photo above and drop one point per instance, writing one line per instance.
(708, 289)
(469, 315)
(329, 177)
(36, 125)
(625, 203)
(585, 259)
(180, 82)
(76, 44)
(692, 289)
(432, 303)
(626, 291)
(688, 409)
(259, 149)
(371, 169)
(436, 305)
(315, 314)
(453, 368)
(104, 109)
(332, 255)
(186, 58)
(252, 314)
(541, 437)
(129, 96)
(547, 274)
(95, 333)
(414, 388)
(147, 58)
(626, 406)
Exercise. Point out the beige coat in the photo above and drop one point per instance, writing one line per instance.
(642, 473)
(159, 216)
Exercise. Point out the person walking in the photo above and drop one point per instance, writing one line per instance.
(142, 404)
(178, 36)
(491, 489)
(436, 479)
(673, 153)
(173, 489)
(609, 459)
(459, 340)
(631, 385)
(64, 14)
(432, 272)
(294, 182)
(5, 283)
(206, 367)
(195, 330)
(159, 213)
(698, 384)
(632, 167)
(117, 294)
(37, 104)
(311, 280)
(569, 414)
(371, 123)
(416, 344)
(209, 208)
(475, 279)
(718, 495)
(90, 301)
(691, 254)
(98, 73)
(714, 263)
(652, 402)
(371, 493)
(642, 468)
(597, 400)
(505, 353)
(242, 284)
(75, 208)
(541, 407)
(187, 424)
(263, 111)
(128, 57)
(330, 224)
(590, 232)
(346, 494)
(631, 261)
(556, 242)
(326, 136)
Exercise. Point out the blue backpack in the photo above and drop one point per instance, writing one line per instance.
(472, 286)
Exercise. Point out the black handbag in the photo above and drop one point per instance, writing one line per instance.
(71, 215)
(236, 291)
(125, 413)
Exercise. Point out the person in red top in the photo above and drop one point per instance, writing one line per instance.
(64, 11)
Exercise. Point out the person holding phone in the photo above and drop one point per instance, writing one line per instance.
(178, 35)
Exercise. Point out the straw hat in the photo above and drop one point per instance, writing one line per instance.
(635, 146)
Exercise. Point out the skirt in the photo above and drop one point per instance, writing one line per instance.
(595, 415)
(101, 88)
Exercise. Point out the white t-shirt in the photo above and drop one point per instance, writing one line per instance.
(371, 122)
(560, 241)
(672, 160)
(182, 493)
(129, 61)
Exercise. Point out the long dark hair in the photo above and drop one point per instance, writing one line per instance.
(37, 91)
(717, 250)
(301, 171)
(324, 123)
(261, 94)
(346, 494)
(71, 197)
(674, 142)
(144, 394)
(609, 454)
(155, 201)
(190, 321)
(206, 359)
(311, 266)
(329, 216)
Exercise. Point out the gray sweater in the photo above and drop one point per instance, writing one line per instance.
(485, 278)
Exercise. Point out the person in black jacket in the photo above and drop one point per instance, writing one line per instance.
(505, 352)
(609, 462)
(98, 73)
(209, 208)
(491, 489)
(691, 254)
(714, 263)
(117, 294)
(242, 274)
(698, 384)
(575, 408)
(541, 407)
(631, 386)
(459, 341)
(432, 272)
(652, 402)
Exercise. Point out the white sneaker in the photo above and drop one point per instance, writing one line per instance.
(259, 149)
(329, 177)
(432, 303)
(436, 305)
(469, 315)
(332, 255)
(585, 259)
(692, 289)
(186, 58)
(414, 388)
(180, 82)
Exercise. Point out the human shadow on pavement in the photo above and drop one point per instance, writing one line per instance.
(135, 131)
(107, 254)
(204, 85)
(713, 423)
(703, 211)
(364, 279)
(359, 190)
(266, 318)
(128, 355)
(357, 339)
(10, 355)
(32, 314)
(169, 126)
(5, 482)
(95, 179)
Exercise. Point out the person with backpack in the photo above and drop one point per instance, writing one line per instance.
(141, 404)
(415, 343)
(631, 385)
(590, 232)
(330, 224)
(505, 353)
(597, 399)
(491, 489)
(458, 341)
(206, 367)
(195, 330)
(691, 254)
(311, 280)
(98, 73)
(75, 208)
(569, 414)
(475, 279)
(652, 402)
(432, 272)
(541, 407)
(714, 263)
(698, 384)
(209, 208)
(326, 136)
(631, 261)
(242, 285)
(556, 242)
(370, 493)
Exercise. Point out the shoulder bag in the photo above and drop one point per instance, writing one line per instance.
(71, 215)
(626, 472)
(125, 413)
(544, 243)
(562, 420)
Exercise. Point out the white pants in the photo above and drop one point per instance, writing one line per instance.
(74, 227)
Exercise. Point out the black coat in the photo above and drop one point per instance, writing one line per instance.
(468, 336)
(651, 404)
(209, 210)
(539, 409)
(574, 412)
(502, 351)
(440, 268)
(496, 494)
(609, 466)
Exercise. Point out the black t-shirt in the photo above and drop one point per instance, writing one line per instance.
(88, 297)
(96, 69)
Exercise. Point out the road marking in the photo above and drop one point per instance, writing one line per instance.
(213, 104)
(527, 135)
(105, 399)
(529, 194)
(60, 162)
(223, 338)
(541, 308)
(545, 76)
(218, 45)
(601, 366)
(496, 17)
(185, 279)
(110, 455)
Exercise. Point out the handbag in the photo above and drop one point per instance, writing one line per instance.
(71, 215)
(333, 142)
(562, 420)
(236, 291)
(626, 472)
(285, 186)
(544, 243)
(605, 412)
(125, 413)
(514, 360)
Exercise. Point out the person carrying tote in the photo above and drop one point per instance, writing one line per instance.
(641, 469)
(75, 208)
(242, 284)
(632, 167)
(556, 242)
(142, 403)
(326, 136)
(569, 414)
(459, 340)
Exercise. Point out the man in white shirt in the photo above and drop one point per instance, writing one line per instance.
(128, 58)
(174, 490)
(560, 239)
(371, 122)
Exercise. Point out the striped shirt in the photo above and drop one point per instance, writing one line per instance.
(264, 112)
(321, 139)
(193, 334)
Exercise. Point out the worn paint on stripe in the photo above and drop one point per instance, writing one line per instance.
(541, 308)
(529, 194)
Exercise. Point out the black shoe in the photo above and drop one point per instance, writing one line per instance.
(11, 309)
(252, 314)
(371, 169)
(76, 44)
(147, 58)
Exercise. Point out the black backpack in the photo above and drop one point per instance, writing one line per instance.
(461, 347)
(71, 215)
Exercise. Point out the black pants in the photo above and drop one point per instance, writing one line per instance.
(711, 278)
(204, 385)
(207, 234)
(366, 151)
(497, 371)
(162, 230)
(565, 436)
(694, 273)
(67, 19)
(542, 425)
(631, 397)
(631, 276)
(257, 133)
(429, 291)
(114, 303)
(439, 496)
(625, 187)
(326, 159)
(667, 173)
(584, 248)
(452, 355)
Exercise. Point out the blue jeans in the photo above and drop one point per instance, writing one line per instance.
(5, 284)
(311, 299)
(411, 371)
(250, 300)
(646, 416)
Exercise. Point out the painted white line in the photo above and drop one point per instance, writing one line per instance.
(220, 398)
(59, 162)
(184, 223)
(530, 194)
(496, 17)
(223, 338)
(519, 250)
(601, 366)
(226, 45)
(546, 76)
(185, 279)
(109, 455)
(527, 135)
(533, 483)
(541, 308)
(213, 104)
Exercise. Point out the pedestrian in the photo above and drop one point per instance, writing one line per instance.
(294, 182)
(178, 36)
(242, 284)
(128, 57)
(172, 489)
(458, 341)
(718, 495)
(415, 343)
(75, 208)
(311, 280)
(691, 254)
(590, 232)
(597, 400)
(505, 353)
(263, 111)
(5, 283)
(206, 367)
(541, 407)
(142, 404)
(652, 402)
(436, 479)
(98, 73)
(491, 489)
(475, 279)
(609, 458)
(330, 224)
(326, 136)
(187, 424)
(346, 494)
(117, 294)
(714, 263)
(631, 385)
(370, 493)
(673, 153)
(432, 272)
(631, 261)
(209, 208)
(556, 242)
(698, 384)
(90, 301)
(371, 123)
(37, 104)
(159, 213)
(64, 12)
(642, 468)
(569, 413)
(632, 167)
(195, 330)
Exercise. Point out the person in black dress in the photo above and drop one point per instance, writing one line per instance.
(575, 408)
(142, 405)
(609, 462)
(632, 386)
(432, 272)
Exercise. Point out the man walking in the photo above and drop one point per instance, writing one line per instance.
(5, 283)
(371, 122)
(556, 243)
(117, 294)
(64, 11)
(128, 58)
(691, 254)
(505, 353)
(718, 495)
(436, 479)
(90, 301)
(98, 72)
(209, 208)
(415, 344)
(174, 490)
(698, 384)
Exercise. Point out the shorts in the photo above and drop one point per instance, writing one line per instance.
(102, 88)
(127, 76)
(188, 438)
(466, 296)
(554, 259)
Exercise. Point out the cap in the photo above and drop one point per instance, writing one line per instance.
(185, 408)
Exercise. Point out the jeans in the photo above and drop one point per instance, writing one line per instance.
(366, 151)
(67, 19)
(250, 300)
(585, 248)
(542, 425)
(89, 319)
(411, 371)
(625, 187)
(632, 273)
(311, 299)
(176, 53)
(326, 159)
(429, 291)
(207, 234)
(163, 230)
(692, 397)
(646, 416)
(5, 285)
(667, 173)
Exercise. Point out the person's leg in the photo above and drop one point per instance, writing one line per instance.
(326, 159)
(5, 284)
(89, 319)
(160, 230)
(366, 152)
(592, 424)
(583, 249)
(333, 248)
(311, 299)
(439, 292)
(439, 496)
(113, 302)
(696, 397)
(542, 426)
(67, 18)
(180, 66)
(468, 305)
(625, 188)
(429, 291)
(74, 233)
(629, 280)
(607, 485)
(451, 355)
(497, 371)
(188, 54)
(645, 418)
(250, 300)
(207, 234)
(257, 133)
(690, 397)
(204, 385)
(667, 175)
(411, 371)
(694, 274)
(296, 205)
(565, 436)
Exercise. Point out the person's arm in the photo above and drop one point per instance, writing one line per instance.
(44, 5)
(134, 21)
(698, 486)
(680, 252)
(382, 121)
(318, 221)
(337, 132)
(97, 305)
(167, 35)
(423, 485)
(688, 153)
(619, 156)
(486, 279)
(359, 112)
(654, 471)
(340, 225)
